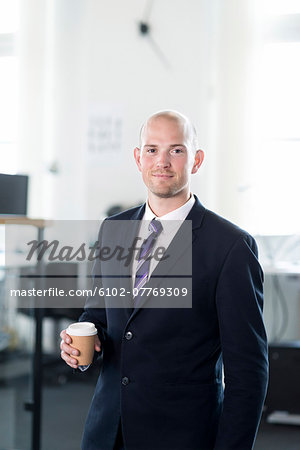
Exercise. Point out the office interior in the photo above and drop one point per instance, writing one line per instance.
(77, 80)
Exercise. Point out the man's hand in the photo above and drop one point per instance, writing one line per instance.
(68, 353)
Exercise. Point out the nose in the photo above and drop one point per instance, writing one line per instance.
(163, 160)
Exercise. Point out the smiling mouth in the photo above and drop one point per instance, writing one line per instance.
(162, 175)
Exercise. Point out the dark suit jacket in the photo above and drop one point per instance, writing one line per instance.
(172, 395)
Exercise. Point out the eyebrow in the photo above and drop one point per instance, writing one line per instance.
(172, 146)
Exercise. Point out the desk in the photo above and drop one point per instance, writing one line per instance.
(284, 356)
(282, 269)
(35, 404)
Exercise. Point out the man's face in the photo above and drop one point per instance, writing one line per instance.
(166, 159)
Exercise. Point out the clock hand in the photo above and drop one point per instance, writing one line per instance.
(148, 9)
(145, 30)
(159, 52)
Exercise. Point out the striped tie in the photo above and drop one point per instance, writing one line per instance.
(142, 270)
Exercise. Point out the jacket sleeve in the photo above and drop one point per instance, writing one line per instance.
(239, 301)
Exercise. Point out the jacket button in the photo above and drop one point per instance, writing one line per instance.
(125, 381)
(128, 335)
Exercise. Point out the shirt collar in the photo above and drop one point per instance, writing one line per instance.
(178, 214)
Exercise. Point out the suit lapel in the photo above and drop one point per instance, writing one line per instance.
(129, 232)
(196, 215)
(168, 268)
(176, 249)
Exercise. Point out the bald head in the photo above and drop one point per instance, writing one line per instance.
(182, 121)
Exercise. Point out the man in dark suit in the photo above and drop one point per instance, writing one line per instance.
(160, 387)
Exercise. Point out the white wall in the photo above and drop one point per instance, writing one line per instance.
(234, 60)
(81, 52)
(124, 68)
(75, 53)
(51, 48)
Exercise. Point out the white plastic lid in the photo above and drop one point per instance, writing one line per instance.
(81, 329)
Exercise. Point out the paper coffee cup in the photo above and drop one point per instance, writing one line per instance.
(83, 339)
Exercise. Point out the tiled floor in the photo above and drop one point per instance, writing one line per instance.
(69, 428)
(65, 407)
(278, 437)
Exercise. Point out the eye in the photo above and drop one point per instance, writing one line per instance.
(151, 150)
(177, 150)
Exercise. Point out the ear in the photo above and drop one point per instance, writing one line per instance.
(199, 157)
(137, 157)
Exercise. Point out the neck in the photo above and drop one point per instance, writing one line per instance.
(161, 206)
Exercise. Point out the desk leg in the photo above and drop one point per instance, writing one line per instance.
(38, 358)
(37, 379)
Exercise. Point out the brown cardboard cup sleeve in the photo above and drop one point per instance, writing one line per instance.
(83, 339)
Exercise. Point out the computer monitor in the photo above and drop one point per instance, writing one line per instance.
(13, 194)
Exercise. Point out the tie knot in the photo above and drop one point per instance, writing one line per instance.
(155, 226)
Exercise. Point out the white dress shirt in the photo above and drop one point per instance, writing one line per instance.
(171, 223)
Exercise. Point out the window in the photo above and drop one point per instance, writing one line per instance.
(279, 7)
(8, 85)
(276, 156)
